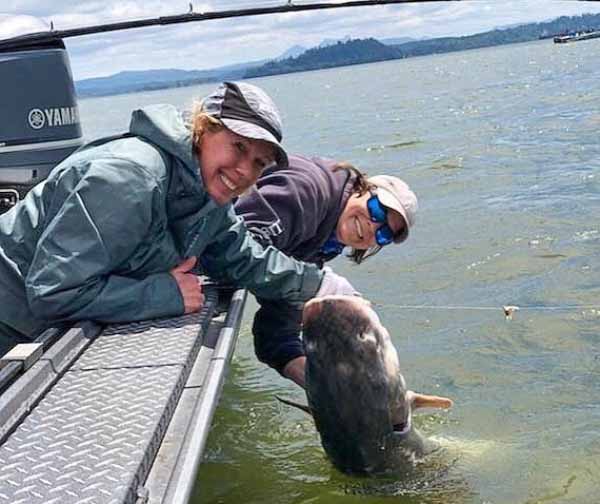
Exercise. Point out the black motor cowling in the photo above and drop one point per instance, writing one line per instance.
(39, 124)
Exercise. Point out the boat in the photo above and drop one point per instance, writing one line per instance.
(575, 37)
(115, 414)
(41, 125)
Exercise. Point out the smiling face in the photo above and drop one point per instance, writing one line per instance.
(231, 164)
(355, 228)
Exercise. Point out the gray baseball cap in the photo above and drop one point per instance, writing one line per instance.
(394, 193)
(248, 111)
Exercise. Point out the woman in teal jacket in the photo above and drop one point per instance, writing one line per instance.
(114, 232)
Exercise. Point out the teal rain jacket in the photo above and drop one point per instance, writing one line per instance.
(97, 239)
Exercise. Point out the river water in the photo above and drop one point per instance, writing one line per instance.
(501, 146)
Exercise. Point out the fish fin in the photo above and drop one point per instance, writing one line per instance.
(426, 401)
(303, 407)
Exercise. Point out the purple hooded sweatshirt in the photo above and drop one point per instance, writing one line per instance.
(296, 210)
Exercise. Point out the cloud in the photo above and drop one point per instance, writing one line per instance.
(12, 26)
(210, 44)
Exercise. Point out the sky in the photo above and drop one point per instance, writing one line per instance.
(210, 44)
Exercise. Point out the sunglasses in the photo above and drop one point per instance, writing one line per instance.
(378, 213)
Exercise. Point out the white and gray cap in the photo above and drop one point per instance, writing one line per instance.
(394, 193)
(248, 111)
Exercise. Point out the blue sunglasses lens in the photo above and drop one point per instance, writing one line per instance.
(377, 211)
(384, 235)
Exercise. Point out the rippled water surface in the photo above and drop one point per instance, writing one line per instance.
(502, 147)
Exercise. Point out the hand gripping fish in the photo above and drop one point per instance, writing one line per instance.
(356, 392)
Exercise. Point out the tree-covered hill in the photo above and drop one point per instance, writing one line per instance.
(370, 50)
(351, 52)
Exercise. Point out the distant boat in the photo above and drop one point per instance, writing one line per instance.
(574, 37)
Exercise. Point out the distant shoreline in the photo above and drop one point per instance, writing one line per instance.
(340, 54)
(191, 83)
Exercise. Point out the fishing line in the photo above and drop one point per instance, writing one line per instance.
(508, 310)
(441, 307)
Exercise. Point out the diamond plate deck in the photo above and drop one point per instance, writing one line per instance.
(94, 436)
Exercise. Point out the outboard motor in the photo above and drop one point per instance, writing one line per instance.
(40, 125)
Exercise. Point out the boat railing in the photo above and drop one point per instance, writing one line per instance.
(117, 413)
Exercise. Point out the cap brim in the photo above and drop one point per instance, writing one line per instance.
(388, 200)
(255, 132)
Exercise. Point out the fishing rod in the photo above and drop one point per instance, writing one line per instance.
(53, 35)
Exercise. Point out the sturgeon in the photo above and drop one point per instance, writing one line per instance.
(356, 392)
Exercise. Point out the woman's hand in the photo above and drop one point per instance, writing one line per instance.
(294, 370)
(333, 283)
(189, 285)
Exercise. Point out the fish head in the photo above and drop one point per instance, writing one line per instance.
(346, 330)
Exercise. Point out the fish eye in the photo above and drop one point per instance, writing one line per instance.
(367, 336)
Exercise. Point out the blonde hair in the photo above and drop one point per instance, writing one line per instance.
(199, 121)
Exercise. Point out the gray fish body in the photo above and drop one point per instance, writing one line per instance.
(355, 389)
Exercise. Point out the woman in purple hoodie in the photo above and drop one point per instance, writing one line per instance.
(312, 210)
